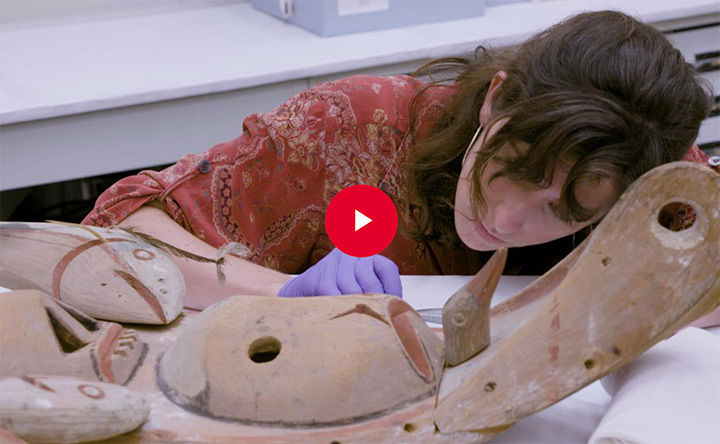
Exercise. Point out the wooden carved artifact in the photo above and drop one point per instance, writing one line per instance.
(38, 335)
(259, 360)
(62, 409)
(106, 273)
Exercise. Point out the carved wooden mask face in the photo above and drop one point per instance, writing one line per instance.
(38, 335)
(304, 361)
(105, 272)
(64, 409)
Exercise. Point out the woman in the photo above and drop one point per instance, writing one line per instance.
(518, 146)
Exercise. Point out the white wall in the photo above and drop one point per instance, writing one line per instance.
(28, 13)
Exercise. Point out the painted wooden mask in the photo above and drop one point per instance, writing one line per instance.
(38, 335)
(259, 359)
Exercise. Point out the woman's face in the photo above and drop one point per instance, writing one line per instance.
(520, 213)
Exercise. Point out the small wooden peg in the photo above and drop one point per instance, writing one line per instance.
(466, 315)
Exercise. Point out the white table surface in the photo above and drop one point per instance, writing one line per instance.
(569, 421)
(62, 69)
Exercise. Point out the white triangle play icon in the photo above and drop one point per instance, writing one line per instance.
(361, 220)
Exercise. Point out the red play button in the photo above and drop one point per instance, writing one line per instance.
(361, 220)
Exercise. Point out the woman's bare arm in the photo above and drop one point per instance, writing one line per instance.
(202, 285)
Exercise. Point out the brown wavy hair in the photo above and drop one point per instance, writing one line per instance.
(600, 89)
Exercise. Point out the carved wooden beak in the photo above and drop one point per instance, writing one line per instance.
(466, 315)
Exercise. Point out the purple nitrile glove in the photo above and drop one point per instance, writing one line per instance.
(338, 273)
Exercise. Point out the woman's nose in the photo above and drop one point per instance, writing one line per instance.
(510, 217)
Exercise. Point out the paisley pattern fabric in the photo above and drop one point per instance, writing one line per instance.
(269, 188)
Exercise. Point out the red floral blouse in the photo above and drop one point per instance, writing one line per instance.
(269, 188)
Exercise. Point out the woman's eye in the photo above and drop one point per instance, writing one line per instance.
(555, 209)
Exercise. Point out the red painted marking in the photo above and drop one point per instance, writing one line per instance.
(144, 293)
(105, 347)
(365, 310)
(72, 254)
(398, 306)
(37, 383)
(400, 318)
(143, 255)
(554, 352)
(91, 391)
(413, 345)
(555, 323)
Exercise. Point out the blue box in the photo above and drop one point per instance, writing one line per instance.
(335, 17)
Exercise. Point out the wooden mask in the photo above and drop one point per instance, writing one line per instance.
(64, 409)
(38, 335)
(303, 361)
(106, 273)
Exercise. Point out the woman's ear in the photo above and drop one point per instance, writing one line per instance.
(486, 109)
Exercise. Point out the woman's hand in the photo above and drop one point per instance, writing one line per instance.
(337, 273)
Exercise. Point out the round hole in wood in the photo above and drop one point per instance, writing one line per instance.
(264, 349)
(589, 364)
(677, 216)
(680, 224)
(409, 427)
